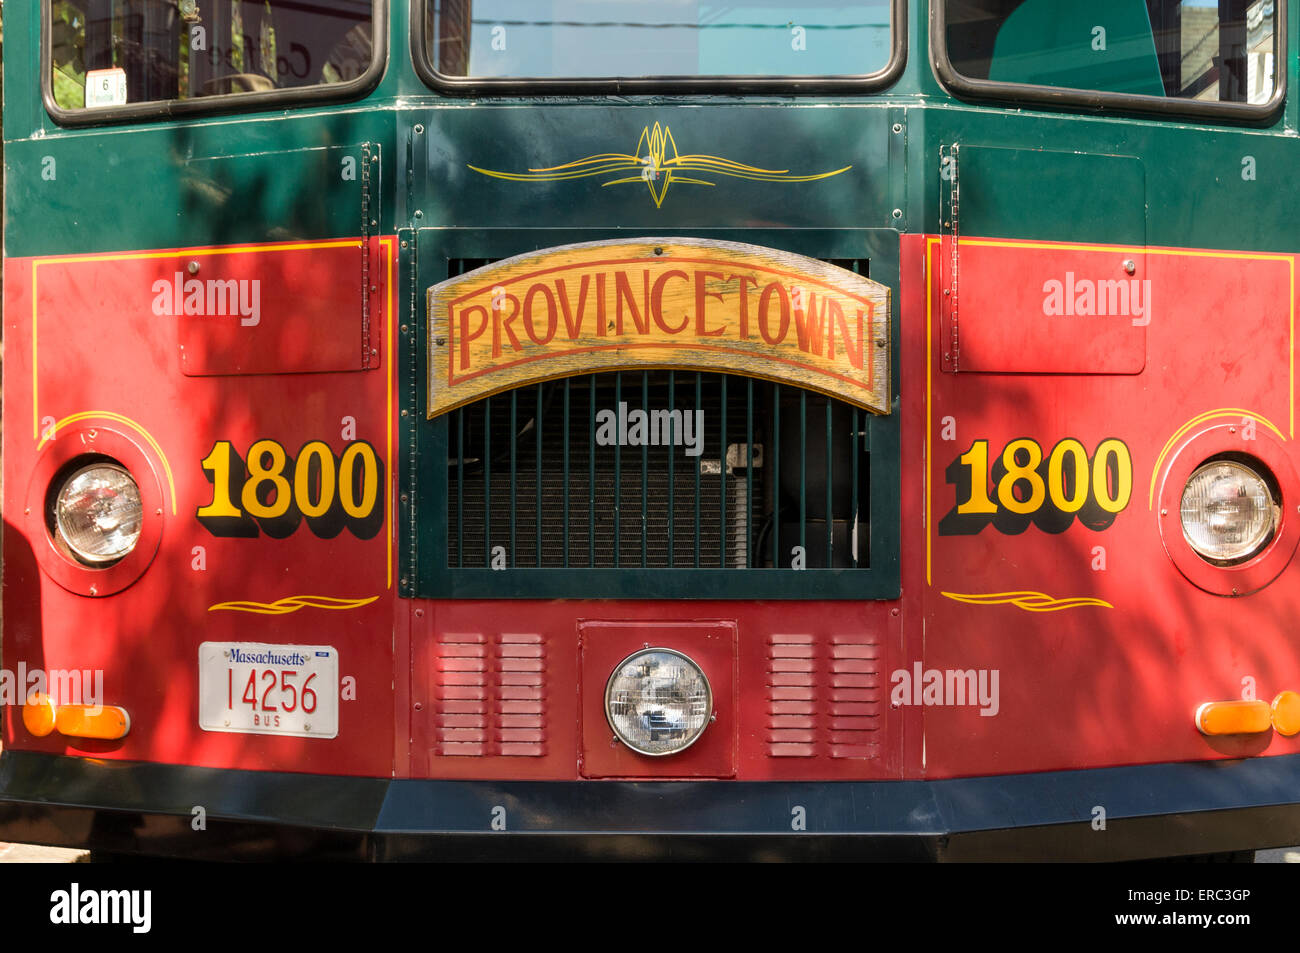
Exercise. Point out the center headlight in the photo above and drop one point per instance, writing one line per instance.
(1227, 512)
(658, 701)
(98, 513)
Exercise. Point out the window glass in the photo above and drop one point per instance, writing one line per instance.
(567, 39)
(1218, 50)
(120, 52)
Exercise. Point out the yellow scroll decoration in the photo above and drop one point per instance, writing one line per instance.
(292, 604)
(1028, 600)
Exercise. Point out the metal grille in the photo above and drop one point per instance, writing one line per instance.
(720, 471)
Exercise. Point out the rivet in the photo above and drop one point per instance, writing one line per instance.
(1164, 512)
(898, 213)
(403, 497)
(898, 127)
(94, 591)
(192, 267)
(419, 214)
(157, 512)
(1130, 265)
(419, 613)
(374, 288)
(659, 251)
(403, 328)
(404, 412)
(419, 707)
(403, 244)
(418, 129)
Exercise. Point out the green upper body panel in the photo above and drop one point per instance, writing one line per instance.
(270, 175)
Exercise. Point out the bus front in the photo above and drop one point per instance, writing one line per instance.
(501, 427)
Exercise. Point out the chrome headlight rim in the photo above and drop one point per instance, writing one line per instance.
(609, 687)
(55, 523)
(1254, 469)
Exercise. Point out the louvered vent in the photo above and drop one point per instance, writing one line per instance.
(490, 695)
(823, 700)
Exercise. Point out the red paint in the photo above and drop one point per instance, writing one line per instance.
(101, 350)
(1082, 687)
(1060, 309)
(1090, 686)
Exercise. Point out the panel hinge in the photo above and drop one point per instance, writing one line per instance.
(950, 233)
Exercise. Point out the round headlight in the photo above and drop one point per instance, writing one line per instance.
(658, 701)
(98, 513)
(1227, 512)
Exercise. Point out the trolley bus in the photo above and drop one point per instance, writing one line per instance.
(862, 428)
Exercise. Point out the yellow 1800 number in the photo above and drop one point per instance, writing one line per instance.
(274, 492)
(1049, 489)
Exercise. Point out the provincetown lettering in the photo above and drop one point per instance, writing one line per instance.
(631, 303)
(693, 304)
(214, 297)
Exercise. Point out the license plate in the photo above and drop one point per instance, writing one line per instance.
(260, 689)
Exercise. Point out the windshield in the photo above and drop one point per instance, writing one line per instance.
(580, 39)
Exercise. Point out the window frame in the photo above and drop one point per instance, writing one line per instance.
(788, 85)
(223, 103)
(1036, 96)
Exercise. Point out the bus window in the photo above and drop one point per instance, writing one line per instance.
(126, 52)
(574, 39)
(1206, 50)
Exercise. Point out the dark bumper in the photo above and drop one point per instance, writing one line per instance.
(1151, 811)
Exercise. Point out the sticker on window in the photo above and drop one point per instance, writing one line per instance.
(105, 87)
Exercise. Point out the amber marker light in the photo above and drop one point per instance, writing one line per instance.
(1286, 713)
(39, 715)
(106, 722)
(1233, 718)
